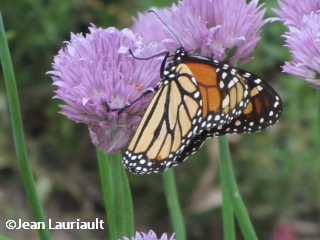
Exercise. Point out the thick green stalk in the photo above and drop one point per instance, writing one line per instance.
(115, 163)
(124, 199)
(229, 231)
(174, 205)
(128, 202)
(4, 237)
(238, 204)
(18, 131)
(117, 196)
(318, 117)
(108, 196)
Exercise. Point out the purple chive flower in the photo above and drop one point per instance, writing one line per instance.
(209, 27)
(150, 236)
(291, 12)
(303, 38)
(304, 45)
(189, 30)
(94, 73)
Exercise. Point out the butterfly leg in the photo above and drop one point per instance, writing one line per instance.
(120, 110)
(164, 61)
(163, 65)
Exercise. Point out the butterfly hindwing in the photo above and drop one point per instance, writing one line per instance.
(195, 144)
(198, 98)
(264, 108)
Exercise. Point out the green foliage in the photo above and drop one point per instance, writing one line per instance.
(174, 205)
(4, 238)
(18, 131)
(117, 196)
(278, 171)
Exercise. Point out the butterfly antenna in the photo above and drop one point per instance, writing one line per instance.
(166, 26)
(147, 58)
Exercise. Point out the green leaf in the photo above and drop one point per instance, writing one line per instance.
(18, 131)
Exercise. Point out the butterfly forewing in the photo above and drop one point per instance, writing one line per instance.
(198, 98)
(167, 127)
(224, 91)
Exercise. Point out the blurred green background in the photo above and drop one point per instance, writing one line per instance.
(278, 171)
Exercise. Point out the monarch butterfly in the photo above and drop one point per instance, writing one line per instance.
(197, 98)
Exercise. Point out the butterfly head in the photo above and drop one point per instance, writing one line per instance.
(179, 54)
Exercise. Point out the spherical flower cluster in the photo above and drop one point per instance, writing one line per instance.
(96, 77)
(212, 28)
(303, 38)
(150, 236)
(291, 12)
(94, 73)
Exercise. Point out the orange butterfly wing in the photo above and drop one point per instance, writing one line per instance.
(198, 98)
(223, 89)
(263, 110)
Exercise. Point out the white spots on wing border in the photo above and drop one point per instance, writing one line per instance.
(229, 76)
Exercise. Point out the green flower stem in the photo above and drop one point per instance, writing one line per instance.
(174, 205)
(108, 196)
(116, 195)
(230, 181)
(124, 200)
(229, 231)
(128, 202)
(4, 237)
(318, 120)
(18, 132)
